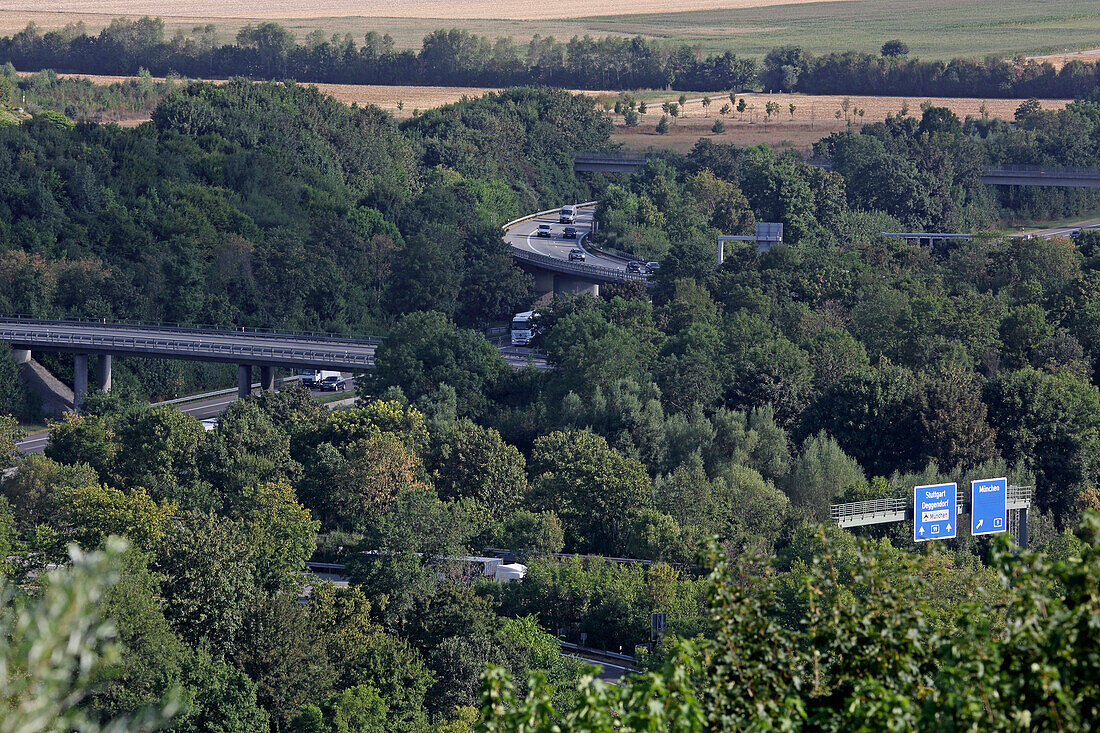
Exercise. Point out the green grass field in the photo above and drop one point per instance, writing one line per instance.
(935, 29)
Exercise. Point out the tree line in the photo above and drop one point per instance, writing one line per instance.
(452, 57)
(457, 57)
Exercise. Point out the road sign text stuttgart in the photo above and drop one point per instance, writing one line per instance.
(934, 512)
(988, 506)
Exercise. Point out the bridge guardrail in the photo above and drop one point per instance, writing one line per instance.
(191, 328)
(613, 156)
(1052, 170)
(159, 345)
(607, 273)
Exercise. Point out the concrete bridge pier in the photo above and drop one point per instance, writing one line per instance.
(103, 372)
(267, 378)
(569, 285)
(80, 380)
(21, 356)
(244, 380)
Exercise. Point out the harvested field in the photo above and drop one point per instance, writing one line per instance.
(1058, 60)
(814, 118)
(389, 98)
(451, 9)
(400, 101)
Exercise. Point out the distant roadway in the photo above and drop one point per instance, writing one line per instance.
(1065, 231)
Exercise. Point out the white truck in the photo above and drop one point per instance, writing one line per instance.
(312, 378)
(568, 214)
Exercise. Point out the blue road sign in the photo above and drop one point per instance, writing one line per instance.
(934, 512)
(988, 506)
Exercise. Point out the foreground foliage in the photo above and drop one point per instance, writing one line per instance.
(864, 654)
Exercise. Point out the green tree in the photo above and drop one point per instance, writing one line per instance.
(468, 460)
(280, 533)
(89, 514)
(209, 588)
(895, 48)
(220, 698)
(10, 435)
(158, 449)
(32, 489)
(1051, 423)
(820, 473)
(953, 419)
(244, 451)
(533, 533)
(57, 645)
(76, 439)
(593, 488)
(424, 351)
(149, 666)
(662, 125)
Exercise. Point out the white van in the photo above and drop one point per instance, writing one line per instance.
(568, 215)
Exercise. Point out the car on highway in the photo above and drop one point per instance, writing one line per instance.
(576, 255)
(652, 266)
(569, 233)
(568, 215)
(634, 266)
(334, 384)
(543, 231)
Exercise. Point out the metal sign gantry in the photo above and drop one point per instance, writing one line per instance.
(1017, 502)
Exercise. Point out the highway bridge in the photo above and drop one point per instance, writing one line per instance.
(247, 348)
(547, 258)
(1037, 175)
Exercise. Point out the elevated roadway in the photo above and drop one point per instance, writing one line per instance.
(246, 348)
(547, 258)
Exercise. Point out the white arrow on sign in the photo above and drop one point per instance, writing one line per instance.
(922, 531)
(949, 528)
(979, 524)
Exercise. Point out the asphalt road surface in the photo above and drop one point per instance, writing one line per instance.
(200, 410)
(522, 236)
(1067, 230)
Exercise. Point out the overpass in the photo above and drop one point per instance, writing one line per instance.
(610, 162)
(245, 347)
(1037, 175)
(547, 258)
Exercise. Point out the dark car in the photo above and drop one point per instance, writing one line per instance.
(576, 255)
(334, 384)
(543, 231)
(652, 266)
(569, 233)
(634, 266)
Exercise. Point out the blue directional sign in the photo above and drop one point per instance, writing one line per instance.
(934, 512)
(988, 506)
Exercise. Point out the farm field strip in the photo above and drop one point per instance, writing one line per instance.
(935, 29)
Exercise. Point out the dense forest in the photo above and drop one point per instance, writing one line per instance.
(277, 206)
(703, 426)
(457, 57)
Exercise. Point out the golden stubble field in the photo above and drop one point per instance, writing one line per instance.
(444, 9)
(815, 116)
